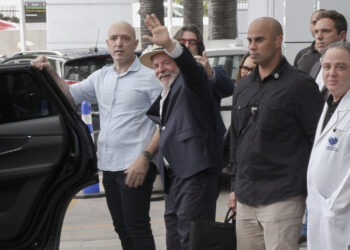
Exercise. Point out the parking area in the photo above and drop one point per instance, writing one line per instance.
(88, 225)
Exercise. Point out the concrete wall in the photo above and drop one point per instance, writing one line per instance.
(294, 15)
(298, 13)
(10, 39)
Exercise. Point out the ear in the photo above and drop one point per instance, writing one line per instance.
(342, 35)
(278, 41)
(136, 43)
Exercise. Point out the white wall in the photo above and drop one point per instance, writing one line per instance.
(76, 23)
(294, 16)
(297, 33)
(242, 26)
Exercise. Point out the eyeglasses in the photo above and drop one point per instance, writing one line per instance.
(246, 69)
(191, 42)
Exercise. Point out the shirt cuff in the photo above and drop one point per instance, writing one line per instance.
(176, 52)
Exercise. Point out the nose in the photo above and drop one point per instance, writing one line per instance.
(252, 45)
(318, 36)
(187, 44)
(160, 69)
(332, 71)
(118, 41)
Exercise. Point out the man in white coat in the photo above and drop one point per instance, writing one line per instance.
(328, 176)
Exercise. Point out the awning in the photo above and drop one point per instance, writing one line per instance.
(4, 25)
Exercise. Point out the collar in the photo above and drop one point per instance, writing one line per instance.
(331, 103)
(275, 74)
(312, 47)
(135, 66)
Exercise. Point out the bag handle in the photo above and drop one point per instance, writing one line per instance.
(229, 217)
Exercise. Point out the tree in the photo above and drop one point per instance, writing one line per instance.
(222, 19)
(193, 13)
(148, 7)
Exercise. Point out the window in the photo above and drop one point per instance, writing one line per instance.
(230, 63)
(21, 98)
(80, 69)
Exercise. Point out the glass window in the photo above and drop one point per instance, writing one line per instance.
(229, 63)
(21, 98)
(78, 70)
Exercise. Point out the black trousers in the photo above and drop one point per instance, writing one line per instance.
(188, 200)
(129, 208)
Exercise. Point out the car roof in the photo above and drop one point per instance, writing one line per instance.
(224, 47)
(64, 54)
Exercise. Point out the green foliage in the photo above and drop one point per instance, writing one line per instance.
(15, 19)
(10, 19)
(205, 8)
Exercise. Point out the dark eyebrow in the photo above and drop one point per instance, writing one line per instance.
(259, 37)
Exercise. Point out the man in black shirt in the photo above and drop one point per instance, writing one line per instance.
(307, 57)
(274, 116)
(331, 26)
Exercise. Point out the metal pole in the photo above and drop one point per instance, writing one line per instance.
(22, 26)
(170, 16)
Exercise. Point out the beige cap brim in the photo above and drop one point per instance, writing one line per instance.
(146, 57)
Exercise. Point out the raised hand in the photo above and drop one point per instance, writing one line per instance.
(205, 63)
(160, 35)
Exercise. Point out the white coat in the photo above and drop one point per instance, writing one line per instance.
(328, 182)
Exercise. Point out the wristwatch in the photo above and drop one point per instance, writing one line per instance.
(147, 155)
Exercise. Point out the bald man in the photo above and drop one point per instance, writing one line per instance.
(124, 91)
(274, 117)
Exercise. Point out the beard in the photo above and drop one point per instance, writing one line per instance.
(166, 83)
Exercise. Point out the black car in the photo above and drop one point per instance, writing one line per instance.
(46, 157)
(71, 64)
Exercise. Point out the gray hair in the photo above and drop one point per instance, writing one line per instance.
(344, 45)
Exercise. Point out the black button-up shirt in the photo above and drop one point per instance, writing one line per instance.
(332, 106)
(273, 126)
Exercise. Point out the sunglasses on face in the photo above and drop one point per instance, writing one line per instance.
(191, 42)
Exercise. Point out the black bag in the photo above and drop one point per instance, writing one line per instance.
(212, 235)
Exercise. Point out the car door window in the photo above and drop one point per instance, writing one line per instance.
(80, 69)
(21, 98)
(46, 156)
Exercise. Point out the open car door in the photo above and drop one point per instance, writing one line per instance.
(46, 157)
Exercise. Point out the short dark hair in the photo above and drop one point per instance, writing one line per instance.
(344, 45)
(318, 11)
(194, 29)
(339, 20)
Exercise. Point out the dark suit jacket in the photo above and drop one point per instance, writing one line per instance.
(189, 138)
(221, 87)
